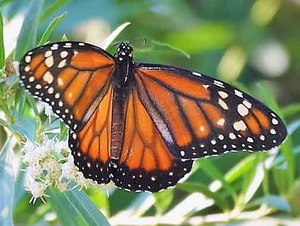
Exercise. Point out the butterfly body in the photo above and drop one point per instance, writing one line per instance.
(142, 125)
(122, 82)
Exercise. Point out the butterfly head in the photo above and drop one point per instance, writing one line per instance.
(124, 51)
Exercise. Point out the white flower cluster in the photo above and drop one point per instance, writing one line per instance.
(50, 164)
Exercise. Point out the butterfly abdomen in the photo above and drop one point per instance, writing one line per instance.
(117, 128)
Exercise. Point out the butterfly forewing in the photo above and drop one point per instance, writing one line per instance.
(198, 116)
(72, 77)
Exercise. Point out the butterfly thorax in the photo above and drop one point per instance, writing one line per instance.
(125, 64)
(121, 87)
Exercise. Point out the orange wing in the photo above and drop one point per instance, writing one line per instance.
(71, 77)
(91, 145)
(145, 162)
(198, 116)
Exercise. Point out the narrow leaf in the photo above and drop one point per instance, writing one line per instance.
(2, 52)
(25, 126)
(27, 36)
(32, 104)
(64, 38)
(240, 168)
(6, 185)
(161, 47)
(50, 28)
(274, 201)
(113, 35)
(75, 208)
(216, 174)
(53, 8)
(192, 187)
(163, 200)
(4, 2)
(291, 110)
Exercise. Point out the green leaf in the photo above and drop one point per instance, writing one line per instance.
(159, 48)
(240, 168)
(100, 197)
(163, 200)
(75, 208)
(293, 126)
(25, 127)
(192, 187)
(20, 102)
(207, 36)
(252, 181)
(274, 201)
(268, 98)
(113, 35)
(216, 174)
(4, 2)
(27, 36)
(63, 130)
(290, 110)
(64, 38)
(20, 191)
(53, 8)
(32, 104)
(6, 185)
(50, 29)
(2, 52)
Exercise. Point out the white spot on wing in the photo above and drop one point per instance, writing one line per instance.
(63, 54)
(62, 63)
(38, 86)
(239, 126)
(218, 83)
(238, 93)
(197, 74)
(31, 79)
(49, 61)
(223, 104)
(250, 139)
(232, 136)
(48, 77)
(242, 110)
(274, 121)
(60, 82)
(223, 94)
(27, 59)
(221, 137)
(54, 47)
(247, 104)
(48, 53)
(50, 90)
(221, 121)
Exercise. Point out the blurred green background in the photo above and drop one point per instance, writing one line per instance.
(252, 44)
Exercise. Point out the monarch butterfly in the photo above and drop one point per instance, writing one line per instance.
(141, 125)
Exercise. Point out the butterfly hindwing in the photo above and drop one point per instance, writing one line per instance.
(145, 162)
(198, 116)
(72, 77)
(91, 145)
